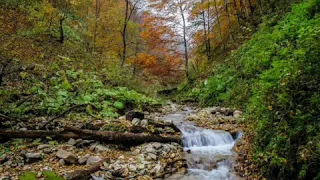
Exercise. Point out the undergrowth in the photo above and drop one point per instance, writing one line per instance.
(275, 77)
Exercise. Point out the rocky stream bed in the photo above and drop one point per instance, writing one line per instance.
(210, 138)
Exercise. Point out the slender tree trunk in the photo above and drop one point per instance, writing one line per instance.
(208, 30)
(136, 54)
(124, 34)
(205, 32)
(226, 6)
(1, 77)
(251, 7)
(259, 3)
(61, 31)
(95, 33)
(186, 58)
(235, 9)
(244, 3)
(218, 18)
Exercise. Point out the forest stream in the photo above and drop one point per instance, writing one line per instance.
(173, 142)
(208, 152)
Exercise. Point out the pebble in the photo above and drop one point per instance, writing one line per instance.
(83, 159)
(47, 151)
(33, 156)
(67, 156)
(151, 157)
(136, 121)
(101, 148)
(62, 162)
(132, 168)
(43, 146)
(144, 123)
(72, 142)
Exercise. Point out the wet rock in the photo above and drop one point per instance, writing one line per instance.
(67, 156)
(141, 166)
(132, 168)
(150, 149)
(159, 130)
(157, 169)
(43, 146)
(133, 114)
(144, 123)
(72, 142)
(93, 159)
(136, 121)
(169, 130)
(83, 159)
(151, 157)
(157, 145)
(166, 148)
(146, 162)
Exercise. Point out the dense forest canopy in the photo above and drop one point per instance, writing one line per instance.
(97, 59)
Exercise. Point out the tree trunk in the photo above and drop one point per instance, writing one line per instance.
(124, 35)
(61, 31)
(95, 33)
(208, 30)
(226, 6)
(218, 19)
(186, 58)
(104, 136)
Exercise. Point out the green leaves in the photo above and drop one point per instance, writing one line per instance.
(275, 78)
(28, 176)
(118, 105)
(69, 88)
(49, 175)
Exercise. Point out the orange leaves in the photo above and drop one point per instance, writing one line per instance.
(144, 60)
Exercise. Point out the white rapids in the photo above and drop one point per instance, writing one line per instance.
(208, 152)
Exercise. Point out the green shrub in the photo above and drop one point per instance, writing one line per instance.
(66, 89)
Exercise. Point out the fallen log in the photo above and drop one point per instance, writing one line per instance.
(104, 136)
(123, 138)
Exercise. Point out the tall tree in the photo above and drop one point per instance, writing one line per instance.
(130, 8)
(175, 15)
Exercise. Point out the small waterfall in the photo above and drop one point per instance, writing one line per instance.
(193, 136)
(208, 152)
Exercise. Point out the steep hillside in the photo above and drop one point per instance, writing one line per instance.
(274, 77)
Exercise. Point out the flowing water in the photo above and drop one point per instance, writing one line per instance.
(208, 152)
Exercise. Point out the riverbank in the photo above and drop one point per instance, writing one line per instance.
(146, 161)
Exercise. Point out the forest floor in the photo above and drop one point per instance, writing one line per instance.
(86, 158)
